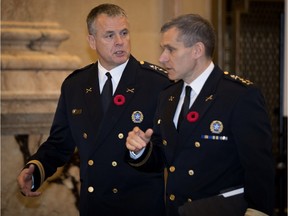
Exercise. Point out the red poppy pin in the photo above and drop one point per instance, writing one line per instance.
(119, 100)
(192, 116)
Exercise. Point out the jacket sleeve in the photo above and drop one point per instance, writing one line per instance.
(56, 150)
(251, 130)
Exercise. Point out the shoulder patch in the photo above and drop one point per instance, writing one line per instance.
(237, 78)
(153, 67)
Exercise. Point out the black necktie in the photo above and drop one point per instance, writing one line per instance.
(106, 95)
(185, 106)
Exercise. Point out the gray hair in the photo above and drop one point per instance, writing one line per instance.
(110, 10)
(193, 28)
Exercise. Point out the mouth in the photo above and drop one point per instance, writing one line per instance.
(119, 53)
(168, 69)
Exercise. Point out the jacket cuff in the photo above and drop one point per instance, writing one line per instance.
(38, 175)
(143, 158)
(254, 212)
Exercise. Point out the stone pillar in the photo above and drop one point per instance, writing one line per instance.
(32, 71)
(31, 76)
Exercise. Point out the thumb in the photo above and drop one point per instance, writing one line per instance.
(148, 133)
(31, 169)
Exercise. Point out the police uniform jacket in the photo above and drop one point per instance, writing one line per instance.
(109, 186)
(224, 143)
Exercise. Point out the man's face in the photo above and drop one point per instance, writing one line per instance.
(177, 59)
(111, 41)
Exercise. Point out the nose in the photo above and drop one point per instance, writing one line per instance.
(118, 40)
(163, 57)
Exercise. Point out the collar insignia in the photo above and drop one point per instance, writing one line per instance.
(171, 98)
(209, 98)
(88, 90)
(130, 90)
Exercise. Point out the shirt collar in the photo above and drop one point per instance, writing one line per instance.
(199, 82)
(116, 72)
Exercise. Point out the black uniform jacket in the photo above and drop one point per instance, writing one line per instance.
(109, 186)
(224, 143)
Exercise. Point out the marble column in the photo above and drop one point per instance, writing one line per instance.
(32, 70)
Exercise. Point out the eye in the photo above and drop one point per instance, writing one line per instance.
(124, 32)
(109, 35)
(169, 49)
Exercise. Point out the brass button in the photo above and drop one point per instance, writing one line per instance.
(159, 121)
(189, 200)
(85, 135)
(191, 172)
(90, 189)
(114, 163)
(172, 169)
(115, 190)
(164, 142)
(197, 144)
(120, 136)
(90, 162)
(172, 197)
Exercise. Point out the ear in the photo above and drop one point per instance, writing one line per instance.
(199, 50)
(91, 41)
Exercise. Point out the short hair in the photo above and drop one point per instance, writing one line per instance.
(193, 28)
(110, 10)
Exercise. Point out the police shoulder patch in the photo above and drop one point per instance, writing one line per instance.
(153, 67)
(237, 78)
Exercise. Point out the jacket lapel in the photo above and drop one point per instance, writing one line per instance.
(92, 95)
(202, 103)
(125, 90)
(172, 100)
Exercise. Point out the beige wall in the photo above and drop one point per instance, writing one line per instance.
(146, 18)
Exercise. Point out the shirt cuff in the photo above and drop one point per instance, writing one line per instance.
(135, 156)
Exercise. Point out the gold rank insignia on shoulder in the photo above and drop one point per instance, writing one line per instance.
(137, 117)
(235, 77)
(216, 127)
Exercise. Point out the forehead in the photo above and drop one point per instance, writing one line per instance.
(170, 36)
(114, 23)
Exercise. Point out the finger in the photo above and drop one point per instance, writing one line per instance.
(148, 134)
(134, 142)
(31, 194)
(136, 130)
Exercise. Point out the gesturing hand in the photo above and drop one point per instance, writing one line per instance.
(25, 182)
(138, 139)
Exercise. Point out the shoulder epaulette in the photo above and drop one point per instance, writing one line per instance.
(153, 67)
(237, 78)
(79, 70)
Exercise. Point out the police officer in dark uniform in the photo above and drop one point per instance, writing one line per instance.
(217, 147)
(109, 186)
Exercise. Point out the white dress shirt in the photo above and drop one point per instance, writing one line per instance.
(196, 86)
(116, 74)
